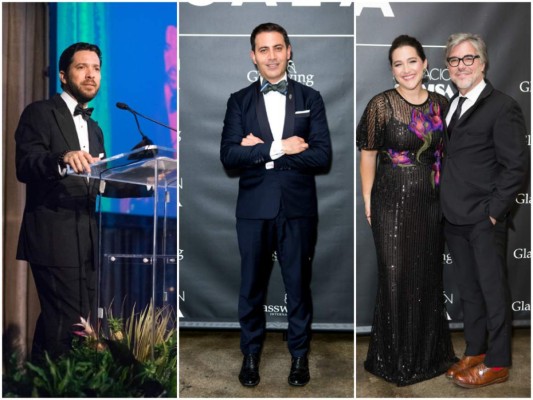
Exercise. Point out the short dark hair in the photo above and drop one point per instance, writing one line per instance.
(269, 27)
(406, 40)
(68, 54)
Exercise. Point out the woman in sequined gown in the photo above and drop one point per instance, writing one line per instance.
(400, 138)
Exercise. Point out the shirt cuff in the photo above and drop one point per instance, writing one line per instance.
(276, 150)
(62, 171)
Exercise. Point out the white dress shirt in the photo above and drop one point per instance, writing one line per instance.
(81, 125)
(275, 108)
(471, 98)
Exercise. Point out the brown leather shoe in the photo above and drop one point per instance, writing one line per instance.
(464, 363)
(480, 376)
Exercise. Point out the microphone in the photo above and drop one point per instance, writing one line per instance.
(145, 139)
(124, 106)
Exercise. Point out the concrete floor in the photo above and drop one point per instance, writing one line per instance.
(210, 361)
(518, 385)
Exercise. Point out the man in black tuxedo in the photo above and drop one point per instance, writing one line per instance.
(276, 133)
(58, 236)
(486, 161)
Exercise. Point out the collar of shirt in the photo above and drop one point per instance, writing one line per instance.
(262, 80)
(474, 94)
(71, 102)
(471, 98)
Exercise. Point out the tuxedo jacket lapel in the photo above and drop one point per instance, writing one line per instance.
(262, 117)
(486, 92)
(288, 126)
(96, 145)
(66, 123)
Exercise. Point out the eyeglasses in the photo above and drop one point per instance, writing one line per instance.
(467, 60)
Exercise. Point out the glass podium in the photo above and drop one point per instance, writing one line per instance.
(144, 279)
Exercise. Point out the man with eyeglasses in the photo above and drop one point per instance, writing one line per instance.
(485, 165)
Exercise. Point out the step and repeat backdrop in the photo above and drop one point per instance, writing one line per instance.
(214, 61)
(506, 28)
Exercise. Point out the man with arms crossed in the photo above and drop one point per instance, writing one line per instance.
(276, 133)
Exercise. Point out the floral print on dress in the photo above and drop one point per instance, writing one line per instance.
(436, 165)
(399, 158)
(423, 126)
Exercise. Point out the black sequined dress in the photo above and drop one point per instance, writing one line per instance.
(410, 341)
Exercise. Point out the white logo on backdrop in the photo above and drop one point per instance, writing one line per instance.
(271, 3)
(447, 258)
(436, 77)
(521, 253)
(180, 186)
(181, 297)
(385, 7)
(302, 78)
(525, 86)
(448, 299)
(521, 306)
(305, 79)
(523, 198)
(276, 310)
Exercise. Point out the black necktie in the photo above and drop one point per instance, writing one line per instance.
(85, 112)
(456, 115)
(280, 87)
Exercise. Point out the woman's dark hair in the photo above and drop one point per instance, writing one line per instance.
(406, 40)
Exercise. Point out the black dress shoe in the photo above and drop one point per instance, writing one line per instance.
(299, 374)
(249, 375)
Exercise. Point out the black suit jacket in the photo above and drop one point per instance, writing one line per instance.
(58, 226)
(291, 182)
(486, 160)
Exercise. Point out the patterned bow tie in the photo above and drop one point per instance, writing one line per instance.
(280, 87)
(85, 112)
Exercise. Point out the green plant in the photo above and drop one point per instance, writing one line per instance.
(113, 365)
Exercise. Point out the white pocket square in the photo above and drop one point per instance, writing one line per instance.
(302, 112)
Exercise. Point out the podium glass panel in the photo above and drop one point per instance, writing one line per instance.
(137, 266)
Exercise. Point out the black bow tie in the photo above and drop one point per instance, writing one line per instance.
(280, 87)
(85, 112)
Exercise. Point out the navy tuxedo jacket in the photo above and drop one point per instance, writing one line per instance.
(486, 160)
(291, 183)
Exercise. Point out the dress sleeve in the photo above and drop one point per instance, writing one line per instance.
(371, 127)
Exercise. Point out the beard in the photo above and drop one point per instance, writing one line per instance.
(79, 92)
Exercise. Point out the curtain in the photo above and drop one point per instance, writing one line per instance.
(24, 80)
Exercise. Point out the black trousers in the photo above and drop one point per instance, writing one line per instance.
(65, 294)
(294, 240)
(479, 252)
